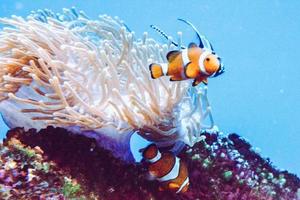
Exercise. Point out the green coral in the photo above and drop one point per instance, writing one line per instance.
(43, 166)
(26, 151)
(227, 175)
(71, 189)
(206, 163)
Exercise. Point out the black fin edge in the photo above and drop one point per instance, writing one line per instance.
(150, 69)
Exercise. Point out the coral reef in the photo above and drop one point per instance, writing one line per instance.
(25, 174)
(92, 77)
(72, 166)
(89, 80)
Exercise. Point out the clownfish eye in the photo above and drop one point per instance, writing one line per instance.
(207, 59)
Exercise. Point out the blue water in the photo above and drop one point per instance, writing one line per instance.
(259, 95)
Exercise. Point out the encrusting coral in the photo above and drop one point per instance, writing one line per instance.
(92, 77)
(63, 165)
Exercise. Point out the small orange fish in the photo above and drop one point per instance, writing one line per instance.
(168, 169)
(195, 62)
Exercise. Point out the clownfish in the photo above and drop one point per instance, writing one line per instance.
(197, 62)
(169, 170)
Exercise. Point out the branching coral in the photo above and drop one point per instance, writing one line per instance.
(69, 71)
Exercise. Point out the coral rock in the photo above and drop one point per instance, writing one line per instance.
(71, 165)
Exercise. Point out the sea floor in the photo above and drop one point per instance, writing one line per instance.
(56, 164)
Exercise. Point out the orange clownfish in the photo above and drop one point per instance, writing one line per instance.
(197, 62)
(169, 170)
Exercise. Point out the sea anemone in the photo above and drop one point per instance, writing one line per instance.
(92, 77)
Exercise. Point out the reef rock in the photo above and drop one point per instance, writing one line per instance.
(56, 164)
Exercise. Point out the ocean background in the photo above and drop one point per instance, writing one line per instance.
(259, 95)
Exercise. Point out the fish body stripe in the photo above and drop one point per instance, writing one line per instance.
(185, 61)
(186, 181)
(185, 57)
(173, 173)
(156, 158)
(201, 61)
(164, 67)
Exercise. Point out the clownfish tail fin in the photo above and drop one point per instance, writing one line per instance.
(156, 70)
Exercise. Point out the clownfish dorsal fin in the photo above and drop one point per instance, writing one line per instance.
(172, 55)
(192, 45)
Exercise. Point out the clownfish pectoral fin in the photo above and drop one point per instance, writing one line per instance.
(197, 81)
(156, 70)
(192, 45)
(205, 81)
(191, 70)
(174, 186)
(172, 55)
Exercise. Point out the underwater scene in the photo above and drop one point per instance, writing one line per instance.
(149, 100)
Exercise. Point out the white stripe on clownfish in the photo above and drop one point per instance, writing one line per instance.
(173, 173)
(156, 158)
(201, 61)
(185, 60)
(185, 57)
(164, 67)
(186, 181)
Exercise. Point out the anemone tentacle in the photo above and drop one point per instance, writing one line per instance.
(67, 70)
